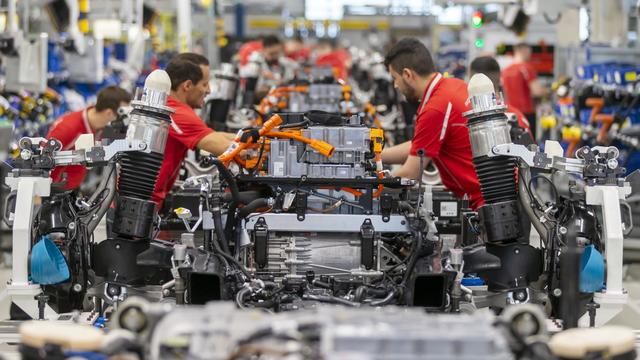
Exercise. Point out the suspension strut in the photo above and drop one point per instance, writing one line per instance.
(501, 220)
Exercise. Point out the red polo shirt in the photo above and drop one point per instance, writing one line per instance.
(442, 132)
(338, 60)
(186, 130)
(515, 82)
(67, 129)
(247, 49)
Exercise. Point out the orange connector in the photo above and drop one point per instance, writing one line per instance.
(237, 146)
(320, 146)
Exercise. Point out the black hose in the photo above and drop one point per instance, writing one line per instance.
(321, 284)
(108, 182)
(377, 292)
(220, 234)
(241, 295)
(384, 301)
(232, 260)
(252, 207)
(360, 293)
(364, 291)
(228, 177)
(235, 196)
(414, 259)
(244, 197)
(208, 240)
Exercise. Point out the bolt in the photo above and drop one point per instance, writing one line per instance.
(117, 246)
(142, 146)
(521, 295)
(563, 230)
(166, 292)
(592, 307)
(612, 164)
(557, 292)
(516, 251)
(42, 304)
(25, 154)
(71, 226)
(77, 287)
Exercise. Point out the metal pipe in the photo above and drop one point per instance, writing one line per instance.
(12, 13)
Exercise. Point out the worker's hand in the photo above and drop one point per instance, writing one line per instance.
(245, 155)
(252, 134)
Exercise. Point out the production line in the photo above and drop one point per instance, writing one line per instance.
(257, 209)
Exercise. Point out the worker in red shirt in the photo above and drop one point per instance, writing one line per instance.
(247, 49)
(326, 54)
(441, 130)
(189, 74)
(520, 84)
(91, 120)
(520, 129)
(296, 50)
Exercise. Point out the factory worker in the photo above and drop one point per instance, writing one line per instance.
(521, 85)
(189, 74)
(441, 129)
(91, 120)
(520, 129)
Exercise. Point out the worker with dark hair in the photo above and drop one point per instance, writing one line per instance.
(326, 53)
(269, 47)
(272, 49)
(189, 74)
(521, 85)
(296, 50)
(441, 132)
(520, 131)
(266, 66)
(91, 120)
(247, 49)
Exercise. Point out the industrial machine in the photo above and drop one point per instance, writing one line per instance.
(299, 213)
(74, 220)
(583, 212)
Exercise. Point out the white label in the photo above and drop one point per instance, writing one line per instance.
(448, 209)
(278, 168)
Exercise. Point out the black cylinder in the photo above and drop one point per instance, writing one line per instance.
(139, 173)
(501, 222)
(497, 178)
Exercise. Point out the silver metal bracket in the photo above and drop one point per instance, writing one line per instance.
(539, 160)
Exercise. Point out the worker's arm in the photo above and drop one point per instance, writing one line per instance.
(537, 89)
(228, 135)
(396, 154)
(411, 168)
(215, 143)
